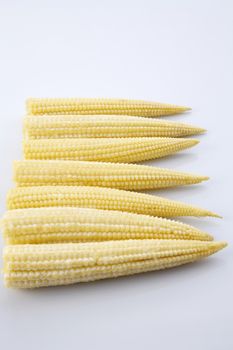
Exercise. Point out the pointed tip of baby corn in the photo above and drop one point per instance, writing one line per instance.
(193, 233)
(204, 236)
(189, 142)
(204, 178)
(203, 212)
(189, 178)
(208, 247)
(181, 143)
(212, 214)
(184, 108)
(197, 178)
(186, 143)
(199, 130)
(194, 130)
(216, 246)
(193, 142)
(179, 109)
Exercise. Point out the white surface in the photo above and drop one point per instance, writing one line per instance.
(170, 51)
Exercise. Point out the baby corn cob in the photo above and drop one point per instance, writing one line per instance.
(125, 150)
(99, 198)
(101, 106)
(66, 224)
(121, 176)
(31, 266)
(79, 126)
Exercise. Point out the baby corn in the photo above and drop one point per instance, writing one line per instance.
(31, 266)
(121, 176)
(125, 150)
(92, 126)
(101, 106)
(66, 224)
(99, 198)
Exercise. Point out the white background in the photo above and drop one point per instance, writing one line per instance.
(169, 51)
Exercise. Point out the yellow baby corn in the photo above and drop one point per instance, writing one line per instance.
(101, 106)
(67, 224)
(99, 198)
(31, 266)
(92, 126)
(121, 176)
(125, 150)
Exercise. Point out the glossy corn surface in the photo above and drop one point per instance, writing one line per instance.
(121, 176)
(31, 266)
(99, 198)
(124, 150)
(101, 126)
(101, 106)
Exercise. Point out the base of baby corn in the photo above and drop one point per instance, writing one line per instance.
(33, 266)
